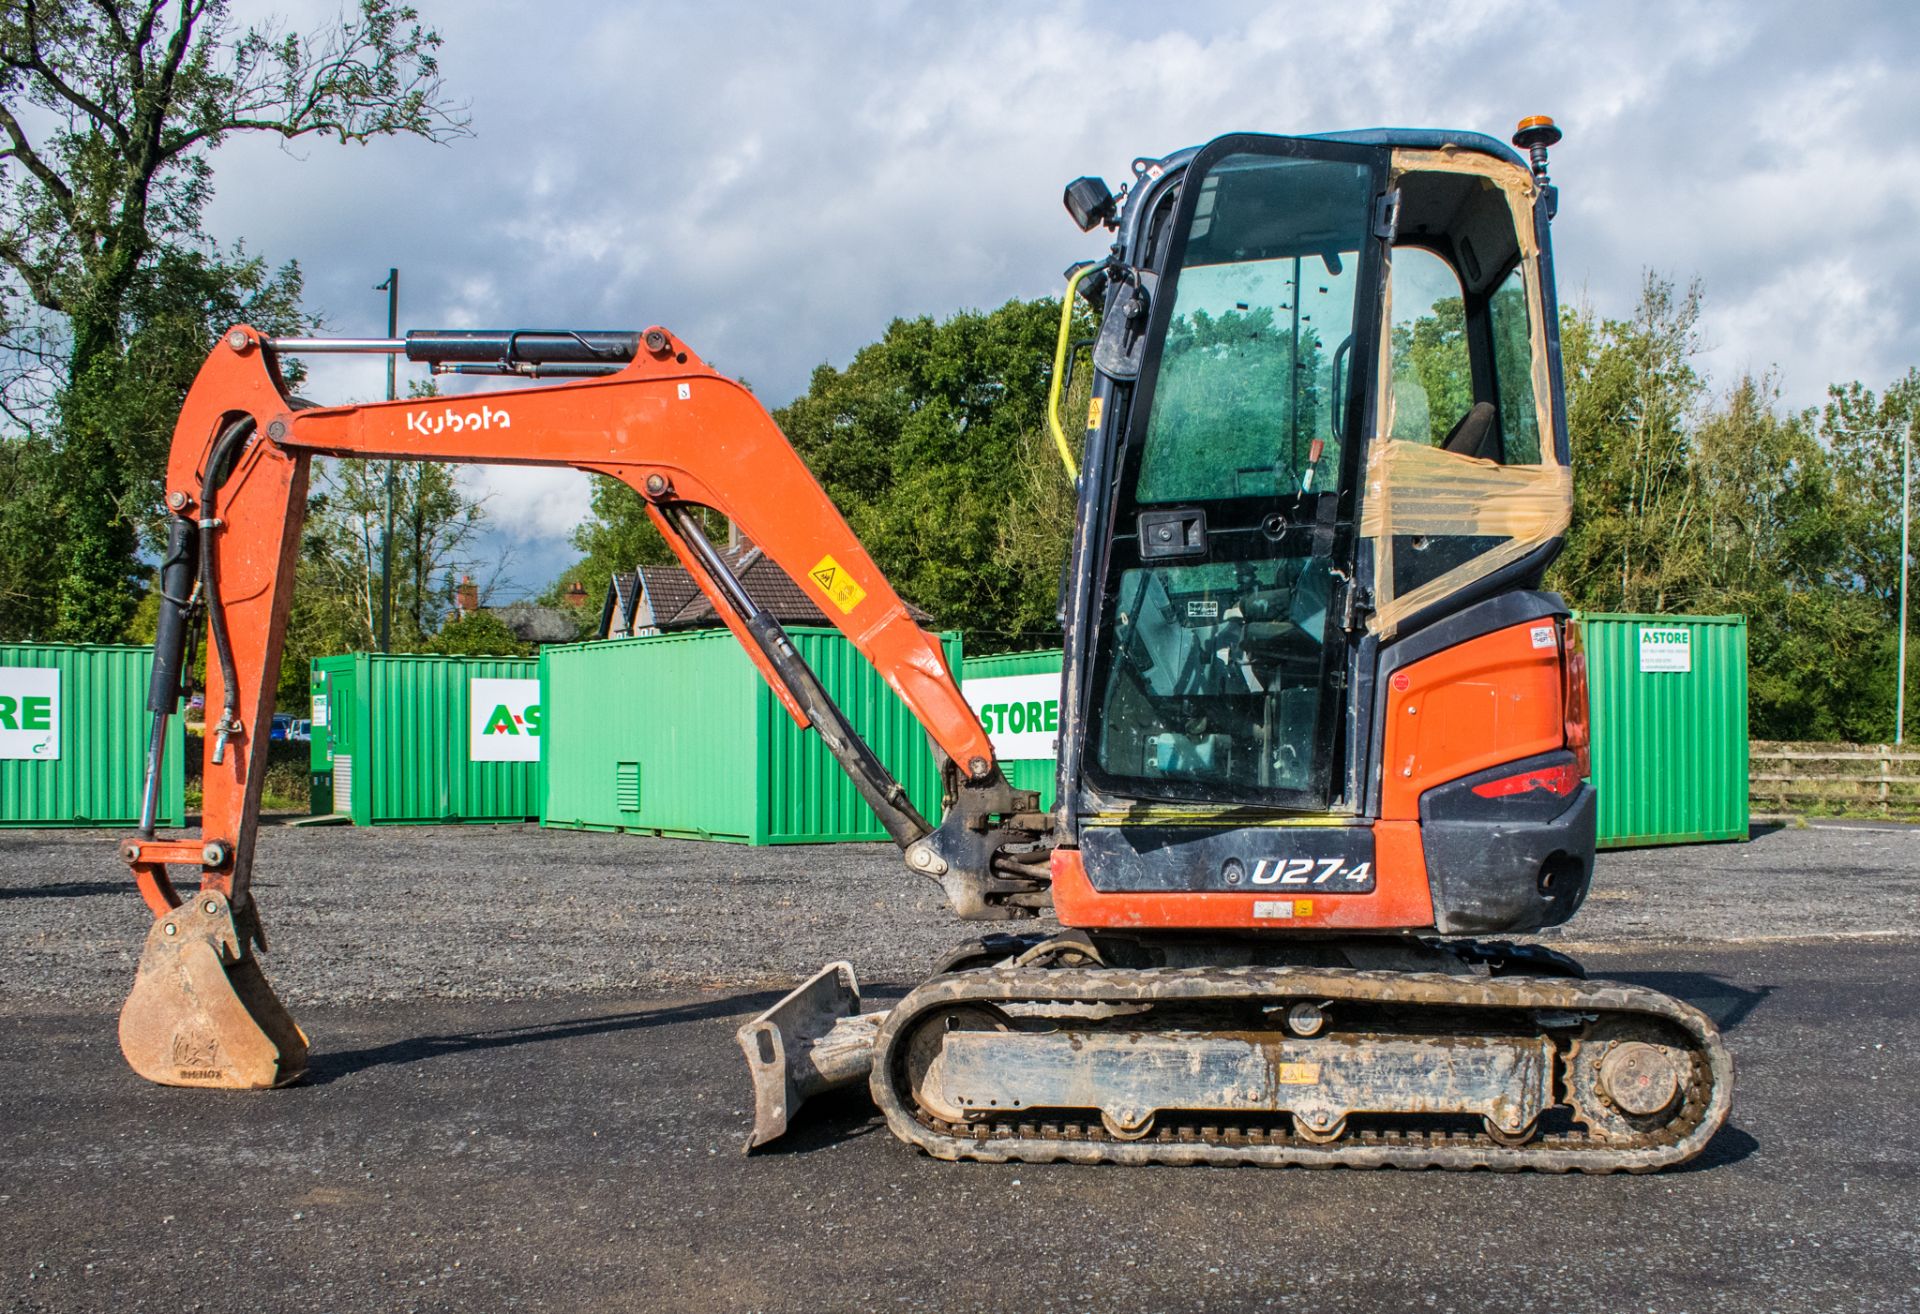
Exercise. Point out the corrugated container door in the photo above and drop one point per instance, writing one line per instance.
(73, 737)
(347, 677)
(807, 798)
(1021, 677)
(449, 739)
(330, 692)
(1668, 697)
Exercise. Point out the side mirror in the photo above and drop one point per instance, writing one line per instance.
(1090, 202)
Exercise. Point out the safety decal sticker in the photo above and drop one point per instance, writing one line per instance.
(1543, 636)
(1268, 909)
(837, 584)
(1094, 410)
(1299, 1074)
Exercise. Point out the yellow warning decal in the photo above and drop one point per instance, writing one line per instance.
(837, 584)
(1299, 1074)
(1303, 907)
(1094, 410)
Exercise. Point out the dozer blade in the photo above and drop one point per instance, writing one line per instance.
(201, 1012)
(814, 1040)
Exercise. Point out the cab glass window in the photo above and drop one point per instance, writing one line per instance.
(1511, 328)
(1247, 396)
(1432, 375)
(1219, 683)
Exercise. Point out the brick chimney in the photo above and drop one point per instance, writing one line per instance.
(467, 596)
(576, 594)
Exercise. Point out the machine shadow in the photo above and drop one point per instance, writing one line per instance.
(1727, 1004)
(1729, 1146)
(64, 890)
(826, 1121)
(327, 1067)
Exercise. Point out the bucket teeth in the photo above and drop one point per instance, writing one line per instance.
(201, 1012)
(814, 1040)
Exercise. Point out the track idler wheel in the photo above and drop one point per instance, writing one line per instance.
(201, 1012)
(1627, 1076)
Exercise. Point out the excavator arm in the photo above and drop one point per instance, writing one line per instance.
(638, 407)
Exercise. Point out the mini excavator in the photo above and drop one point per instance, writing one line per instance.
(1321, 731)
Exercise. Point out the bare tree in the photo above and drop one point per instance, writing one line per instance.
(109, 111)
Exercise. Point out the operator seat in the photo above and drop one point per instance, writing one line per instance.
(1473, 434)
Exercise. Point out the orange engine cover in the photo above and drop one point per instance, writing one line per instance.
(1495, 698)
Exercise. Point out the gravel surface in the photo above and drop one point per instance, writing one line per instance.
(504, 912)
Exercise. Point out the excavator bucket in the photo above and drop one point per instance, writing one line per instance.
(814, 1040)
(201, 1012)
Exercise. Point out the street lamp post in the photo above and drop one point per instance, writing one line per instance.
(1900, 677)
(392, 288)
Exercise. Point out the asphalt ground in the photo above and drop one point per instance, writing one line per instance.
(525, 1095)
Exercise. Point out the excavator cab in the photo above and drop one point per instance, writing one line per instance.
(1325, 421)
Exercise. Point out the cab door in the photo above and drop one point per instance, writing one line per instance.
(1223, 648)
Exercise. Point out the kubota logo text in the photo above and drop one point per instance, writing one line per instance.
(450, 420)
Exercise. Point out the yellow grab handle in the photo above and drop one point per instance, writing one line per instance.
(1060, 369)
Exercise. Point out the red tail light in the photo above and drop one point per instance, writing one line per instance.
(1573, 693)
(1561, 780)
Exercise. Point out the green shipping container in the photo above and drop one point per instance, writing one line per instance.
(1005, 691)
(402, 738)
(73, 737)
(1668, 699)
(677, 734)
(1669, 711)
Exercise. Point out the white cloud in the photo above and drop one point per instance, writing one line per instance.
(777, 182)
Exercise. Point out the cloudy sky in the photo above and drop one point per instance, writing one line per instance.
(777, 181)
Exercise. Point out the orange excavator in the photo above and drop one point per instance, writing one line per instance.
(1320, 728)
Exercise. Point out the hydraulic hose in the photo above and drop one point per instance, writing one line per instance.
(170, 654)
(219, 465)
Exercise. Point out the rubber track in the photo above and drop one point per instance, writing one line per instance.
(1211, 1140)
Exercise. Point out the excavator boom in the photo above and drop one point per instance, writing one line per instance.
(638, 407)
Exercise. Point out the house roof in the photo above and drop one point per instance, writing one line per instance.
(770, 587)
(664, 590)
(621, 596)
(666, 598)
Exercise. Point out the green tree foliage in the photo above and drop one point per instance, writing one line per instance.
(478, 634)
(1632, 397)
(1688, 503)
(1865, 433)
(337, 595)
(110, 110)
(29, 509)
(929, 442)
